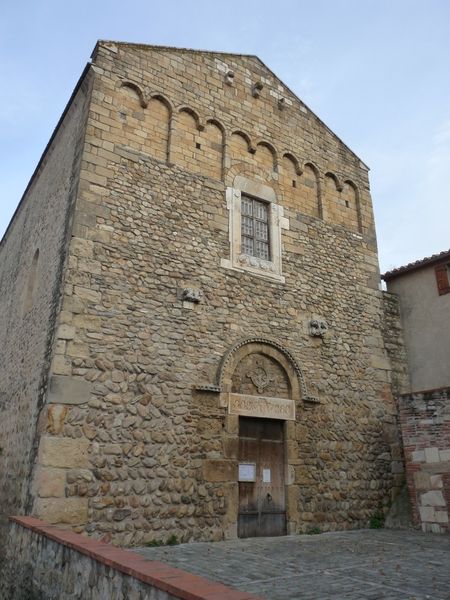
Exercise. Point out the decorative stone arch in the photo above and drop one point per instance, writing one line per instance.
(266, 347)
(358, 202)
(314, 168)
(137, 89)
(194, 114)
(221, 127)
(261, 143)
(245, 136)
(218, 124)
(253, 173)
(294, 160)
(164, 100)
(336, 180)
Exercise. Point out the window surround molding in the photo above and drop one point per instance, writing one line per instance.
(238, 261)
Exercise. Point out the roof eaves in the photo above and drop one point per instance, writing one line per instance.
(418, 264)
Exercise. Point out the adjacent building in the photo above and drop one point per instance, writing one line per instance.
(422, 289)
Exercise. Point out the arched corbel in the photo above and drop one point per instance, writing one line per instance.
(135, 87)
(265, 144)
(251, 148)
(336, 180)
(218, 124)
(298, 168)
(187, 109)
(357, 201)
(314, 168)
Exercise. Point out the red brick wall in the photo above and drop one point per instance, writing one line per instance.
(425, 426)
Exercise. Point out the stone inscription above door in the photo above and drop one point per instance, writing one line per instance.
(263, 407)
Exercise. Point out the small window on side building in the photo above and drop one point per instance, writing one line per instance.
(443, 278)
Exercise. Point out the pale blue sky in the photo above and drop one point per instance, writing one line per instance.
(376, 71)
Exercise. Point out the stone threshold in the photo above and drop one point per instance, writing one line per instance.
(179, 583)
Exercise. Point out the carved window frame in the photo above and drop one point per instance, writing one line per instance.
(239, 261)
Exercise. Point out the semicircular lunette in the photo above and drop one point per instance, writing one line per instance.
(267, 347)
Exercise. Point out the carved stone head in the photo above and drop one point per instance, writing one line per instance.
(317, 328)
(191, 295)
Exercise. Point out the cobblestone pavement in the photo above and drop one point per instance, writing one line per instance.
(356, 565)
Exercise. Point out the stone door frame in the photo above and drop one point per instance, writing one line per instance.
(298, 393)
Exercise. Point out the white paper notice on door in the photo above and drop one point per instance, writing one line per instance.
(267, 476)
(247, 472)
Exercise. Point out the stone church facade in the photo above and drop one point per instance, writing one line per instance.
(194, 339)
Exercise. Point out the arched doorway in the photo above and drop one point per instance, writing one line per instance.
(261, 384)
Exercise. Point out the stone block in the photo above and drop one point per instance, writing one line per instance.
(61, 365)
(56, 415)
(63, 452)
(112, 449)
(216, 470)
(432, 455)
(68, 390)
(422, 480)
(444, 455)
(432, 498)
(418, 456)
(293, 501)
(441, 516)
(82, 247)
(436, 482)
(427, 513)
(67, 511)
(65, 332)
(231, 447)
(380, 362)
(49, 482)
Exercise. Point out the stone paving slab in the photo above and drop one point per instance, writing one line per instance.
(352, 565)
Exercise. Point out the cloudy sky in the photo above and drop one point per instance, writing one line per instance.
(376, 71)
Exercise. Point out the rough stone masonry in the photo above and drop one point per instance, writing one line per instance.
(139, 293)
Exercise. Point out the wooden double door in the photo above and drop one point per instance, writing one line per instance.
(262, 506)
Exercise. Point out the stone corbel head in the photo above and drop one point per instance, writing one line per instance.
(317, 328)
(257, 89)
(229, 77)
(191, 295)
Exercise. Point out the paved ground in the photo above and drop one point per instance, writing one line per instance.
(356, 565)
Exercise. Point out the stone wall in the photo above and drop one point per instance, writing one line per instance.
(139, 442)
(32, 255)
(394, 344)
(48, 563)
(425, 426)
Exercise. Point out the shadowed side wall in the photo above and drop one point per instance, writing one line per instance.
(32, 256)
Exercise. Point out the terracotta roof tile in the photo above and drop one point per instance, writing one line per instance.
(418, 264)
